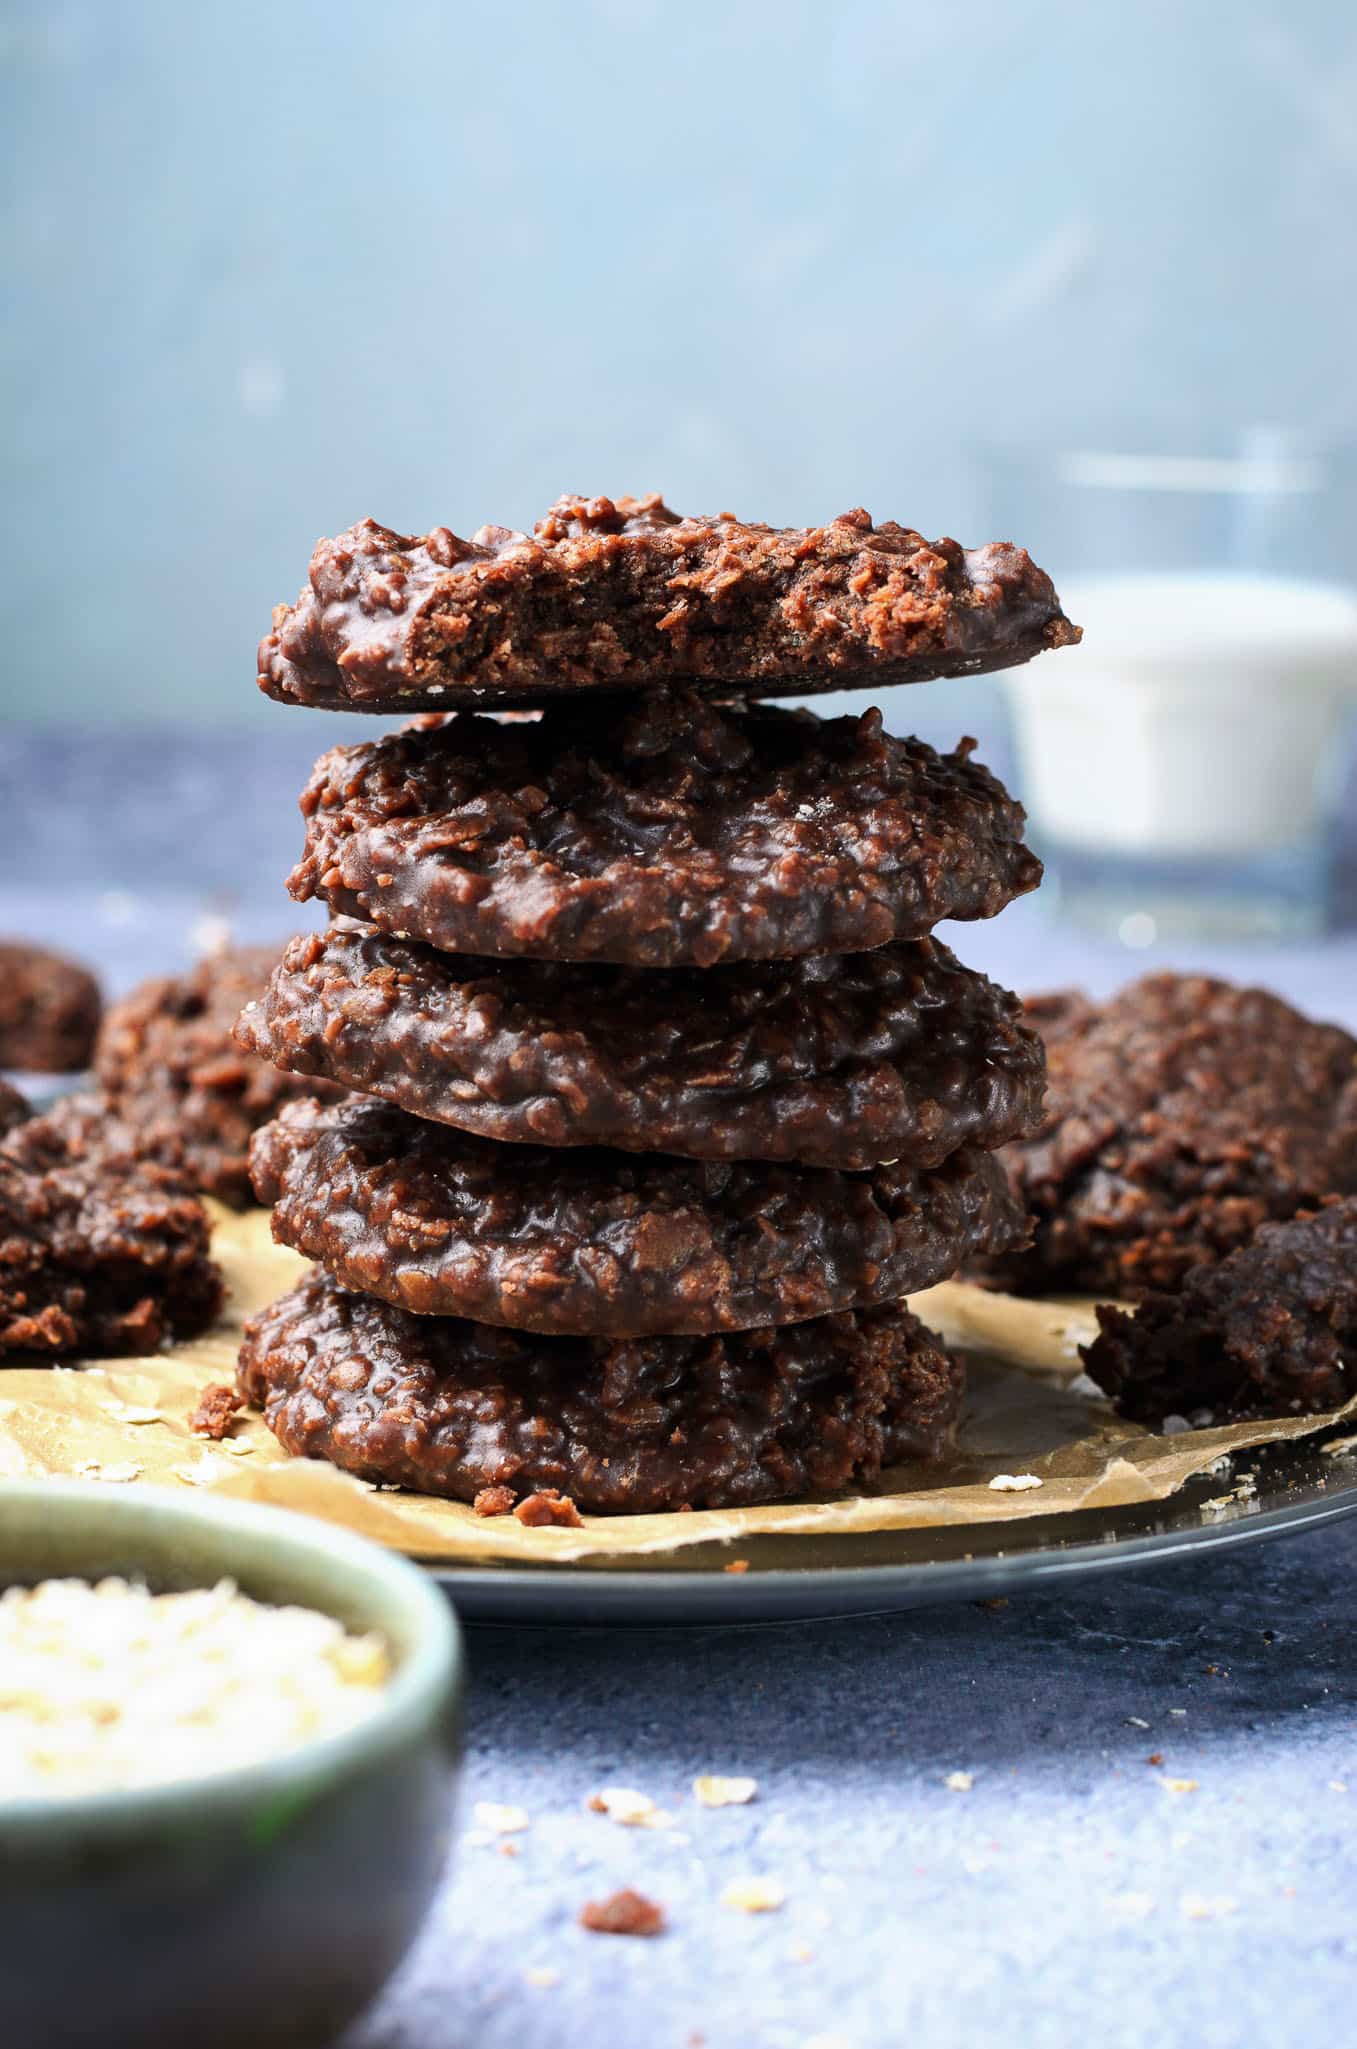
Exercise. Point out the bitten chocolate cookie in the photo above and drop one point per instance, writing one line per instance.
(170, 1070)
(1181, 1116)
(100, 1253)
(610, 1244)
(832, 1061)
(49, 1010)
(1271, 1330)
(676, 834)
(629, 596)
(449, 1407)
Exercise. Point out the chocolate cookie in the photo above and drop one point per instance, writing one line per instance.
(100, 1253)
(449, 1407)
(1181, 1116)
(833, 1061)
(13, 1108)
(172, 1072)
(1271, 1330)
(610, 1244)
(49, 1010)
(675, 835)
(629, 596)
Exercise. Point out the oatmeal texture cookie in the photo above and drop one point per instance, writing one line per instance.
(611, 1244)
(447, 1407)
(172, 1073)
(630, 596)
(676, 834)
(49, 1010)
(831, 1061)
(1271, 1330)
(100, 1252)
(1181, 1116)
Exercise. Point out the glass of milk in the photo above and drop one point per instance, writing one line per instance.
(1183, 766)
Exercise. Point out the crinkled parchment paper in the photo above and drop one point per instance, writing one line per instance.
(128, 1422)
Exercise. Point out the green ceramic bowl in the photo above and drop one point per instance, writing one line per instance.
(264, 1905)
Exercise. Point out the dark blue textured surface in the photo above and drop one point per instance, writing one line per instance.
(1069, 1897)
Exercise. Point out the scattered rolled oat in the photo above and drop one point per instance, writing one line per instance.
(1136, 1722)
(1013, 1483)
(548, 1506)
(117, 1475)
(632, 1809)
(1179, 1785)
(132, 1413)
(216, 1411)
(623, 1913)
(959, 1782)
(714, 1791)
(542, 1975)
(499, 1819)
(1197, 1906)
(754, 1895)
(494, 1501)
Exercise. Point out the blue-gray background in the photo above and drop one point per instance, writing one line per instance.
(273, 266)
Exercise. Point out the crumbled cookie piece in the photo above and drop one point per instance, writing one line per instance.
(494, 1501)
(546, 1508)
(623, 1913)
(216, 1411)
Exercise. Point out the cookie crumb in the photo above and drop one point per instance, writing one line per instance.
(1179, 1785)
(494, 1501)
(1196, 1906)
(736, 1565)
(548, 1506)
(623, 1913)
(216, 1410)
(541, 1975)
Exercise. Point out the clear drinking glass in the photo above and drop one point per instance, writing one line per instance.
(1182, 768)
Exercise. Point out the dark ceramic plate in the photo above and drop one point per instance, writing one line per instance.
(804, 1578)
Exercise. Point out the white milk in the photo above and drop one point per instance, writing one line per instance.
(1202, 715)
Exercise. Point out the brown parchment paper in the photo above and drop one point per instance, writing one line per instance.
(128, 1422)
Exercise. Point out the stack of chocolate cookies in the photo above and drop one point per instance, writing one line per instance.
(664, 1095)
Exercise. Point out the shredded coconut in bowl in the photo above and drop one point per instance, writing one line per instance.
(110, 1686)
